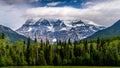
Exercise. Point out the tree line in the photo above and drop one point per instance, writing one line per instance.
(105, 52)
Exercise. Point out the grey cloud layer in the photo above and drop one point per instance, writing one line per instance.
(11, 15)
(18, 1)
(104, 13)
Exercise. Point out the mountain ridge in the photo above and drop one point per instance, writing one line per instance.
(56, 29)
(108, 32)
(14, 36)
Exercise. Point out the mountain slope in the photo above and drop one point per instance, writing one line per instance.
(55, 29)
(114, 30)
(11, 34)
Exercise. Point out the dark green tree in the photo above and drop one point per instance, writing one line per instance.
(28, 51)
(35, 40)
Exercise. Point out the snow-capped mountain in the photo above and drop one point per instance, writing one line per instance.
(55, 29)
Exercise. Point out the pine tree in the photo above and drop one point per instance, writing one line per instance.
(98, 43)
(3, 35)
(57, 60)
(28, 52)
(86, 46)
(35, 40)
(69, 42)
(91, 53)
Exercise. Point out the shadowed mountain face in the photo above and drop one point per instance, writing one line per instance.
(114, 30)
(11, 34)
(55, 30)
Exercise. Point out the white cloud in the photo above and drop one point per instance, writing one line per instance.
(53, 4)
(104, 13)
(11, 16)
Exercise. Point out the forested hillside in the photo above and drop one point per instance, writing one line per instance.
(108, 32)
(99, 52)
(11, 34)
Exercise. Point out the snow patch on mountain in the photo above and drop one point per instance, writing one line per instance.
(63, 29)
(29, 29)
(50, 28)
(56, 29)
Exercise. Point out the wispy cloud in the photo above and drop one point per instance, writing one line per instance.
(53, 4)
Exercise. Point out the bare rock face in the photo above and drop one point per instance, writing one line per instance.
(55, 30)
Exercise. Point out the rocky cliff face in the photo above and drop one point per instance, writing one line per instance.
(55, 29)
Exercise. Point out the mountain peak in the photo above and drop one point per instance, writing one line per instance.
(78, 23)
(58, 29)
(42, 22)
(30, 22)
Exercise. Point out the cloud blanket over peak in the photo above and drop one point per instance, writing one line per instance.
(103, 12)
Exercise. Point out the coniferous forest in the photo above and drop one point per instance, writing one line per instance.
(105, 52)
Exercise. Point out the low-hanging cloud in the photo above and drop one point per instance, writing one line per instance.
(11, 16)
(105, 13)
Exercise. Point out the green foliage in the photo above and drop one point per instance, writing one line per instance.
(2, 36)
(104, 51)
(57, 60)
